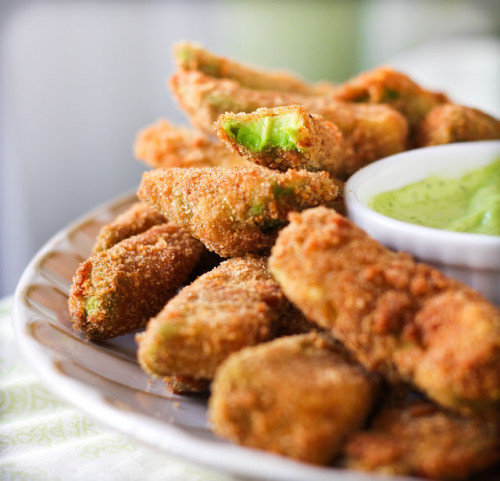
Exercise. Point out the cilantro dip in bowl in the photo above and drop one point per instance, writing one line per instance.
(431, 177)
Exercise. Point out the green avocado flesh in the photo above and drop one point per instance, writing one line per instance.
(91, 305)
(265, 133)
(184, 55)
(206, 64)
(470, 203)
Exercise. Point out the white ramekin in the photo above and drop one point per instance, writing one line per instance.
(471, 258)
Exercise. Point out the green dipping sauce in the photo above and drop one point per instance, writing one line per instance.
(470, 203)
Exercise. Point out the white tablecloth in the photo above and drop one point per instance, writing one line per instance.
(44, 439)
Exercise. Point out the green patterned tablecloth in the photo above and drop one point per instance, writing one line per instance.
(44, 439)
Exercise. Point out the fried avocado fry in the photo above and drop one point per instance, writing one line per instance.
(283, 138)
(370, 132)
(116, 291)
(384, 85)
(296, 396)
(234, 211)
(164, 145)
(420, 439)
(403, 319)
(136, 219)
(203, 98)
(237, 304)
(449, 123)
(190, 56)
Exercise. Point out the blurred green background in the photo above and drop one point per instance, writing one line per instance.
(335, 39)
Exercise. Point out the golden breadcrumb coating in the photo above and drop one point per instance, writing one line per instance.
(116, 291)
(237, 304)
(138, 218)
(403, 319)
(385, 85)
(234, 211)
(192, 56)
(310, 142)
(164, 145)
(297, 396)
(203, 98)
(449, 123)
(370, 132)
(179, 384)
(418, 438)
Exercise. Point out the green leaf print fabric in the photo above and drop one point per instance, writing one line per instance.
(44, 439)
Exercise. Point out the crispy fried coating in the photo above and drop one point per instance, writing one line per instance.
(283, 138)
(164, 145)
(385, 85)
(449, 123)
(310, 141)
(370, 132)
(233, 306)
(138, 218)
(116, 291)
(406, 320)
(234, 211)
(297, 396)
(203, 98)
(186, 384)
(418, 438)
(237, 304)
(191, 56)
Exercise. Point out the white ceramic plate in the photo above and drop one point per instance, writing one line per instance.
(105, 380)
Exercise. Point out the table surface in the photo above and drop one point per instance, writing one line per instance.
(44, 439)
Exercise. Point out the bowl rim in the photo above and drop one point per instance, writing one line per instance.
(427, 235)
